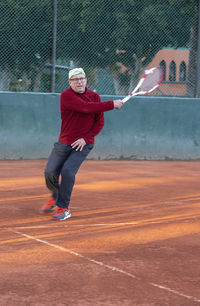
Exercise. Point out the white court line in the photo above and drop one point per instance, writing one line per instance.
(72, 225)
(92, 225)
(83, 225)
(99, 263)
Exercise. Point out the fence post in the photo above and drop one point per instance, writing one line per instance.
(54, 46)
(198, 57)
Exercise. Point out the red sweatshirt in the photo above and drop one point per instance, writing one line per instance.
(82, 115)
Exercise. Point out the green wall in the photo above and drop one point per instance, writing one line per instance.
(152, 128)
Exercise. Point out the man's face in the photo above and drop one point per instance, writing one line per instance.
(78, 83)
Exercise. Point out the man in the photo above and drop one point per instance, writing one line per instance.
(82, 115)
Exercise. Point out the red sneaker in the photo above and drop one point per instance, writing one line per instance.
(48, 206)
(61, 214)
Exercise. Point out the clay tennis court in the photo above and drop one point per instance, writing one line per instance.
(133, 238)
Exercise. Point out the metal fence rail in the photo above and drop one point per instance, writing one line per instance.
(113, 40)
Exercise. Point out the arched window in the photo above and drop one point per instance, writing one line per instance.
(163, 66)
(182, 73)
(172, 71)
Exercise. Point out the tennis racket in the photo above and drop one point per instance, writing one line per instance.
(150, 80)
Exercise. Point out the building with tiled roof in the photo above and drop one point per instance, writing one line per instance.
(175, 65)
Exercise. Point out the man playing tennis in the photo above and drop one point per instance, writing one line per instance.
(82, 115)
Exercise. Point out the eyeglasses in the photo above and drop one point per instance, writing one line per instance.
(78, 79)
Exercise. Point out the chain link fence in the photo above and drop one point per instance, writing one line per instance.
(113, 40)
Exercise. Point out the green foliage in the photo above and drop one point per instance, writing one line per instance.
(101, 34)
(92, 31)
(25, 31)
(94, 34)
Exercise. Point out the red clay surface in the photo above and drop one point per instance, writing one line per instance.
(133, 238)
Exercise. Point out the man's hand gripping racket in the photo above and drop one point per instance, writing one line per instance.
(150, 80)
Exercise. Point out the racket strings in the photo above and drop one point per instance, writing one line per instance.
(151, 80)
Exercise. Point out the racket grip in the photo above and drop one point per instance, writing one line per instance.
(125, 99)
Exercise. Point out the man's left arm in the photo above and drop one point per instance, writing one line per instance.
(96, 129)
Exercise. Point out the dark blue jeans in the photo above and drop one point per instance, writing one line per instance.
(65, 162)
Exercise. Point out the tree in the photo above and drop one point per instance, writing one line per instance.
(109, 34)
(121, 36)
(189, 9)
(25, 45)
(193, 45)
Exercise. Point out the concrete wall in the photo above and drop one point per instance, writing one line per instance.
(150, 128)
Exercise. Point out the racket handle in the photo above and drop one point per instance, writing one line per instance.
(125, 99)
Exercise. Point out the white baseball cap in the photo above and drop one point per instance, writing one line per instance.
(76, 71)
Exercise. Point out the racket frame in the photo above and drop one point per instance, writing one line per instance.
(144, 92)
